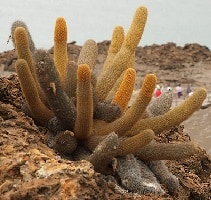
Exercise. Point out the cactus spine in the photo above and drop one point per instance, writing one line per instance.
(60, 47)
(84, 118)
(38, 110)
(107, 79)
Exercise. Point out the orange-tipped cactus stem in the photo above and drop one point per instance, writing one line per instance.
(63, 108)
(125, 90)
(134, 144)
(107, 78)
(116, 86)
(116, 43)
(167, 151)
(39, 111)
(60, 47)
(172, 118)
(139, 106)
(88, 54)
(84, 119)
(70, 83)
(132, 115)
(118, 82)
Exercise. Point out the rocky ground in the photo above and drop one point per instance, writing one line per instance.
(31, 170)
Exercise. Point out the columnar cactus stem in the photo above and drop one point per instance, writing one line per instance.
(115, 46)
(118, 82)
(23, 50)
(163, 174)
(60, 104)
(173, 117)
(107, 79)
(125, 90)
(160, 105)
(22, 24)
(84, 118)
(162, 151)
(70, 83)
(60, 47)
(134, 144)
(131, 116)
(38, 110)
(107, 111)
(126, 145)
(103, 153)
(131, 61)
(116, 86)
(136, 176)
(88, 54)
(92, 142)
(23, 43)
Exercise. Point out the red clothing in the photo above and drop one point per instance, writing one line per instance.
(158, 93)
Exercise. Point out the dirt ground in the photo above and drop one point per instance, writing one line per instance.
(29, 169)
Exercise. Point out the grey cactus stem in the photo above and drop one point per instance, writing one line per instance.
(103, 153)
(70, 83)
(163, 174)
(19, 23)
(62, 106)
(136, 176)
(167, 151)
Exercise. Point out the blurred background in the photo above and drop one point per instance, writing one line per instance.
(178, 21)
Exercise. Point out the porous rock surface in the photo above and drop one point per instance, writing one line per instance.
(29, 169)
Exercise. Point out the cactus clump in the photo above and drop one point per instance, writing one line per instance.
(89, 117)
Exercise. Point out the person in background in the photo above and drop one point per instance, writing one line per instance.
(179, 90)
(158, 91)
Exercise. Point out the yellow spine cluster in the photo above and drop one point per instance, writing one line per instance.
(39, 111)
(23, 25)
(173, 117)
(125, 90)
(134, 144)
(131, 116)
(84, 118)
(107, 79)
(24, 52)
(22, 48)
(88, 54)
(60, 47)
(116, 43)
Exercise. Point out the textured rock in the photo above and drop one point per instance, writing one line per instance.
(31, 170)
